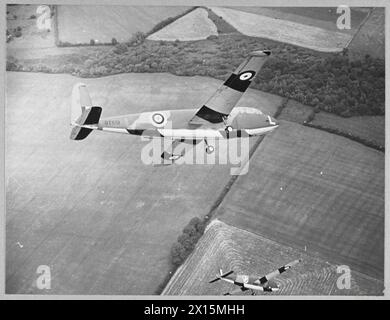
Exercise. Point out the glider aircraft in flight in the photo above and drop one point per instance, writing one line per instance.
(216, 119)
(253, 283)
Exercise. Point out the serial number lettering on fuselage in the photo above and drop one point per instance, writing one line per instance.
(112, 122)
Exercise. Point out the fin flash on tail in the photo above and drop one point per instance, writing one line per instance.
(84, 116)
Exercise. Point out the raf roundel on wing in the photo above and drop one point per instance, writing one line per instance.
(247, 75)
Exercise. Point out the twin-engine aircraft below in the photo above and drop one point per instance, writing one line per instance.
(253, 283)
(216, 119)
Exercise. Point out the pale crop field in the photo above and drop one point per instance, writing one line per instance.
(25, 17)
(229, 248)
(193, 26)
(291, 32)
(371, 37)
(80, 24)
(321, 17)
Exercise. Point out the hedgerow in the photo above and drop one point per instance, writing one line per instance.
(169, 20)
(186, 242)
(328, 82)
(366, 142)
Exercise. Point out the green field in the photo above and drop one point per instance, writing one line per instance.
(80, 24)
(371, 37)
(321, 17)
(296, 112)
(370, 128)
(310, 188)
(25, 17)
(286, 31)
(91, 210)
(231, 248)
(195, 25)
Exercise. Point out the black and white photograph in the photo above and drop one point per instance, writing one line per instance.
(194, 150)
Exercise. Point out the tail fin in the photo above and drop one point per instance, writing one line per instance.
(83, 114)
(221, 275)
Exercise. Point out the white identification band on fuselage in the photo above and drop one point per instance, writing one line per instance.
(115, 130)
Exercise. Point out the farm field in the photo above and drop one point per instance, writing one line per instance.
(91, 210)
(321, 17)
(195, 25)
(284, 31)
(80, 24)
(34, 43)
(371, 37)
(25, 17)
(295, 112)
(311, 188)
(371, 128)
(230, 248)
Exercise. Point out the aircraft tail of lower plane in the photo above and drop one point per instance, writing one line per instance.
(84, 116)
(221, 275)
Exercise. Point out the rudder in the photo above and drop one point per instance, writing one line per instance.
(83, 114)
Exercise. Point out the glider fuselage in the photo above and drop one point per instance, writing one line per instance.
(177, 124)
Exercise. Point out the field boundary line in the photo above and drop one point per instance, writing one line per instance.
(55, 23)
(365, 142)
(173, 19)
(359, 27)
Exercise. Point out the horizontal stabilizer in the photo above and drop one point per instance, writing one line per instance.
(220, 276)
(89, 116)
(79, 133)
